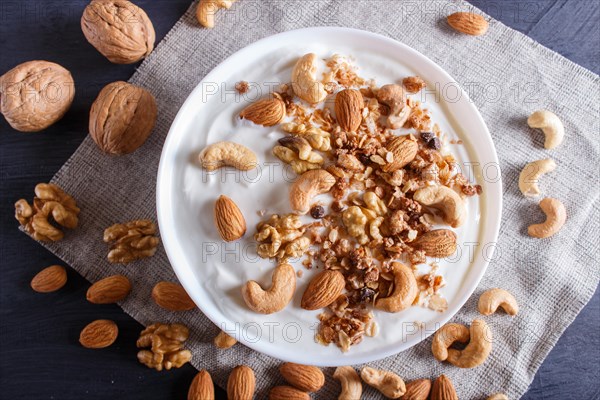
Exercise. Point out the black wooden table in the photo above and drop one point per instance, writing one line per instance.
(40, 357)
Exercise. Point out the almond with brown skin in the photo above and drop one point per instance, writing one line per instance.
(172, 296)
(202, 387)
(404, 150)
(49, 279)
(417, 390)
(303, 377)
(287, 393)
(241, 383)
(437, 243)
(99, 334)
(266, 112)
(229, 219)
(323, 289)
(469, 23)
(349, 104)
(109, 290)
(443, 389)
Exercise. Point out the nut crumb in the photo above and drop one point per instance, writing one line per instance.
(242, 87)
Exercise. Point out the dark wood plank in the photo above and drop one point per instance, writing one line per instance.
(40, 357)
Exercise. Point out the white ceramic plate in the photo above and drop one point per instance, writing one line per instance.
(213, 272)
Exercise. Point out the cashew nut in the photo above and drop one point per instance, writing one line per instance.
(556, 216)
(307, 186)
(230, 154)
(351, 385)
(205, 13)
(405, 290)
(491, 299)
(477, 350)
(304, 80)
(444, 338)
(498, 396)
(550, 124)
(395, 98)
(277, 296)
(387, 382)
(528, 180)
(445, 200)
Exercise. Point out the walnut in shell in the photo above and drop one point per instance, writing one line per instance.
(122, 118)
(118, 29)
(35, 94)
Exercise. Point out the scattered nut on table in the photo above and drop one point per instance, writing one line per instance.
(99, 334)
(131, 241)
(51, 207)
(224, 341)
(119, 30)
(498, 396)
(531, 174)
(50, 279)
(241, 383)
(550, 124)
(111, 289)
(304, 377)
(165, 343)
(350, 382)
(474, 354)
(556, 216)
(417, 390)
(202, 387)
(491, 299)
(387, 382)
(35, 95)
(443, 389)
(205, 13)
(468, 23)
(287, 393)
(122, 118)
(172, 296)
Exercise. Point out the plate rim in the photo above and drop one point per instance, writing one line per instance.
(348, 358)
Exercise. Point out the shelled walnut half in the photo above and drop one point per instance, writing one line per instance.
(131, 241)
(52, 208)
(165, 343)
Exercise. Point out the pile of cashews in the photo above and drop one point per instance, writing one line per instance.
(556, 214)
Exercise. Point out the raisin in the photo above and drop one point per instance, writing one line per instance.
(366, 295)
(427, 136)
(434, 144)
(317, 212)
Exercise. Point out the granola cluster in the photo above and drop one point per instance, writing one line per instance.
(373, 218)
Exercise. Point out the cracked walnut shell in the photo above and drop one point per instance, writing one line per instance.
(35, 94)
(52, 208)
(122, 118)
(131, 241)
(119, 29)
(165, 343)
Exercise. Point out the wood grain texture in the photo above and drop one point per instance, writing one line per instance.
(40, 357)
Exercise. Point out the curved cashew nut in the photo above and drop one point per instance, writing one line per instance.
(395, 98)
(205, 13)
(351, 385)
(550, 124)
(405, 290)
(556, 216)
(276, 297)
(307, 186)
(445, 200)
(444, 338)
(304, 80)
(387, 382)
(491, 299)
(222, 154)
(528, 180)
(498, 396)
(478, 349)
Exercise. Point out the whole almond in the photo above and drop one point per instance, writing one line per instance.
(287, 393)
(404, 150)
(443, 389)
(202, 387)
(172, 296)
(469, 23)
(349, 104)
(417, 390)
(241, 383)
(323, 289)
(229, 219)
(99, 334)
(109, 290)
(436, 243)
(303, 377)
(49, 279)
(266, 112)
